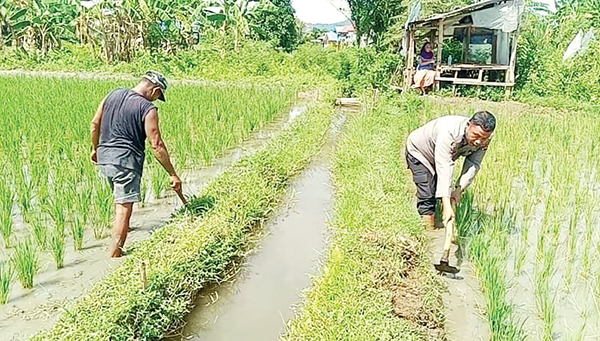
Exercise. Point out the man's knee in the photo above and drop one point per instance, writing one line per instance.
(426, 206)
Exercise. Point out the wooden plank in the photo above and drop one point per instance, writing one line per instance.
(467, 81)
(461, 67)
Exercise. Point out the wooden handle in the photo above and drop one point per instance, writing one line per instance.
(183, 200)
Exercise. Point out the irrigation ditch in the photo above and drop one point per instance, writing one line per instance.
(192, 251)
(31, 311)
(264, 290)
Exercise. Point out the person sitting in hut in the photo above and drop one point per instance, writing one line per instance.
(425, 76)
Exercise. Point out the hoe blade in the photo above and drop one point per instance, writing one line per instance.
(445, 267)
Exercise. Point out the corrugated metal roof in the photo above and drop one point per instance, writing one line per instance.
(461, 11)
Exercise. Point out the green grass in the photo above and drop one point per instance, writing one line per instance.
(6, 211)
(25, 260)
(7, 276)
(378, 242)
(190, 253)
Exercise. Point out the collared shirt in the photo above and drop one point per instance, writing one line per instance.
(438, 144)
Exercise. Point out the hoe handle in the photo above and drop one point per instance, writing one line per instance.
(449, 235)
(183, 200)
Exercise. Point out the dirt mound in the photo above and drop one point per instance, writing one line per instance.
(401, 270)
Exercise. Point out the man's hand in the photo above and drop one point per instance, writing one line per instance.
(448, 215)
(456, 195)
(176, 183)
(94, 157)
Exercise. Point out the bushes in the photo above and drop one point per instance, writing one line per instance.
(541, 70)
(355, 68)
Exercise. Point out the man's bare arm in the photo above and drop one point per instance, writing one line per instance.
(95, 130)
(159, 148)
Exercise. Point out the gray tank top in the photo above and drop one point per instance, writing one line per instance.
(122, 134)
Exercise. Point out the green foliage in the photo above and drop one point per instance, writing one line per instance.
(278, 26)
(452, 47)
(373, 18)
(541, 70)
(25, 260)
(57, 243)
(7, 276)
(6, 210)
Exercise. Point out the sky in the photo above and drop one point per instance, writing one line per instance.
(320, 11)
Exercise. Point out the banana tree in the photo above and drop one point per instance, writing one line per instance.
(12, 21)
(53, 22)
(234, 15)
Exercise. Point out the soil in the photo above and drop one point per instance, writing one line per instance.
(30, 311)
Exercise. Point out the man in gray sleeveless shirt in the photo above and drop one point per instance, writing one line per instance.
(123, 121)
(431, 153)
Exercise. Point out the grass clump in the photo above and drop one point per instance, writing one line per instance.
(6, 207)
(190, 253)
(25, 260)
(7, 276)
(77, 231)
(57, 243)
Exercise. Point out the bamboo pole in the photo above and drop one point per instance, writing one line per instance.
(510, 74)
(440, 50)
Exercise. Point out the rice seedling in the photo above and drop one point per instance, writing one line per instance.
(78, 231)
(24, 188)
(160, 180)
(6, 212)
(57, 243)
(25, 260)
(39, 230)
(104, 207)
(7, 276)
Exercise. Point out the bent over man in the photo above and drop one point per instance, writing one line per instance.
(119, 129)
(431, 154)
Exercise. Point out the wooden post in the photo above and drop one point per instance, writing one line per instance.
(410, 60)
(466, 44)
(479, 79)
(510, 74)
(454, 82)
(144, 274)
(440, 50)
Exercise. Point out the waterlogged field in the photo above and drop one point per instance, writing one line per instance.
(51, 195)
(530, 221)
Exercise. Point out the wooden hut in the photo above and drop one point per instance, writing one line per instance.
(484, 40)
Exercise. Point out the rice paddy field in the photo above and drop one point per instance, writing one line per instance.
(528, 225)
(530, 221)
(52, 200)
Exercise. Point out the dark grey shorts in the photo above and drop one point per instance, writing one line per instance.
(124, 182)
(426, 185)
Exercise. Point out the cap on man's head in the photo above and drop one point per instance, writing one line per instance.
(159, 80)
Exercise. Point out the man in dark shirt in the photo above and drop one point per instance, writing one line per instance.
(123, 121)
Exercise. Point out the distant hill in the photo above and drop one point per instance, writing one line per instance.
(327, 27)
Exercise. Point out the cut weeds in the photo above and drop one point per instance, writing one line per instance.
(190, 253)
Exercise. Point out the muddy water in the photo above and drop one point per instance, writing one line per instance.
(257, 304)
(30, 311)
(463, 301)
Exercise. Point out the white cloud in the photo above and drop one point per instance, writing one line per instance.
(321, 11)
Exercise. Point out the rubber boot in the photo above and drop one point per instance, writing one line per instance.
(429, 222)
